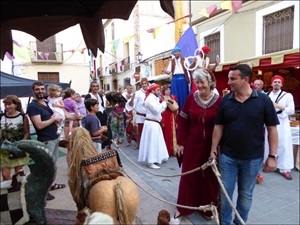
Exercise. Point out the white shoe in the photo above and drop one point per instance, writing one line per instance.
(176, 221)
(153, 166)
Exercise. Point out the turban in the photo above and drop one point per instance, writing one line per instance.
(277, 77)
(206, 49)
(152, 87)
(176, 49)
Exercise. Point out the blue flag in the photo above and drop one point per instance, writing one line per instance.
(188, 43)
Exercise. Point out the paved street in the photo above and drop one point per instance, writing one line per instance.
(276, 200)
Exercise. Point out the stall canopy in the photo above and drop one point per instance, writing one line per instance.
(288, 58)
(13, 85)
(43, 19)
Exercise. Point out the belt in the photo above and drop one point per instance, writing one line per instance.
(153, 121)
(141, 114)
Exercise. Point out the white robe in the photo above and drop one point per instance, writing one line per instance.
(153, 147)
(138, 105)
(285, 146)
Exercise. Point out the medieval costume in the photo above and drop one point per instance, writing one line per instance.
(195, 127)
(169, 121)
(152, 146)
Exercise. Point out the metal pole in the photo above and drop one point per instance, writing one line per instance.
(190, 12)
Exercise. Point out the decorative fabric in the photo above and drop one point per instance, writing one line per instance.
(102, 163)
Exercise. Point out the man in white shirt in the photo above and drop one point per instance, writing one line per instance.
(153, 147)
(136, 103)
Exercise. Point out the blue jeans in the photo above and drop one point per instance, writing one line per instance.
(244, 172)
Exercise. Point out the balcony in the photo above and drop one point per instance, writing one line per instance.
(46, 53)
(119, 67)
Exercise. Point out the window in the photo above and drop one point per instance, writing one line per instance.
(278, 31)
(48, 76)
(213, 42)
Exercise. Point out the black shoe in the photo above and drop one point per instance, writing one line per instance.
(50, 197)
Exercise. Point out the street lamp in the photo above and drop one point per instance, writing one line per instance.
(139, 56)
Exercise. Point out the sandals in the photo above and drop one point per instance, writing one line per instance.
(49, 197)
(287, 175)
(56, 186)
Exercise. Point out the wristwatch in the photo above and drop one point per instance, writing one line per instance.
(273, 156)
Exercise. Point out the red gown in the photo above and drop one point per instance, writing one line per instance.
(195, 127)
(169, 125)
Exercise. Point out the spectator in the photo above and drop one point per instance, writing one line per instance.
(101, 114)
(197, 117)
(93, 124)
(44, 122)
(71, 108)
(284, 106)
(153, 148)
(136, 103)
(259, 85)
(239, 129)
(81, 107)
(129, 127)
(14, 126)
(57, 105)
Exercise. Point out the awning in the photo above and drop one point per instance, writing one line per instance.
(288, 58)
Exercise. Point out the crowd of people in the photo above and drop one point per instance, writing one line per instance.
(245, 130)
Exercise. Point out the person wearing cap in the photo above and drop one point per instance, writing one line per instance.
(136, 103)
(284, 106)
(153, 149)
(180, 77)
(201, 60)
(238, 134)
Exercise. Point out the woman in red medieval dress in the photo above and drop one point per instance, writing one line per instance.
(169, 120)
(194, 138)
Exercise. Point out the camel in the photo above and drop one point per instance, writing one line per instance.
(97, 181)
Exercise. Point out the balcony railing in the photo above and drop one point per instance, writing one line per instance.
(119, 67)
(50, 53)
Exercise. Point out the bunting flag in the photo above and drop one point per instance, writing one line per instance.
(41, 55)
(127, 39)
(154, 31)
(20, 51)
(46, 54)
(115, 45)
(232, 5)
(9, 56)
(209, 11)
(58, 56)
